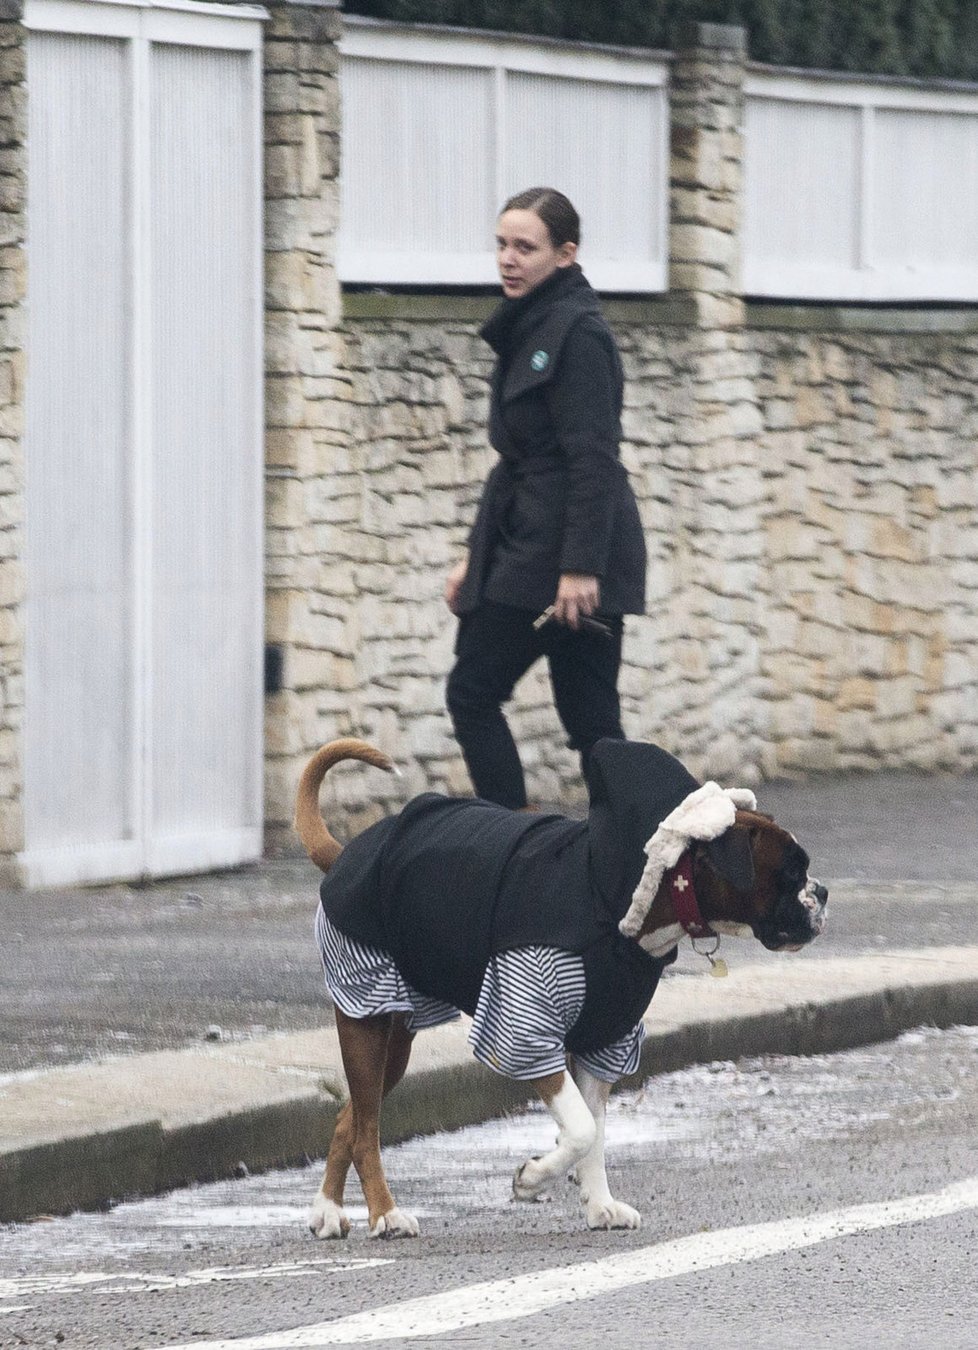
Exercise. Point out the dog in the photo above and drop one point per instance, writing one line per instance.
(551, 933)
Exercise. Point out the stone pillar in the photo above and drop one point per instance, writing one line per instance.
(721, 530)
(13, 270)
(304, 381)
(706, 113)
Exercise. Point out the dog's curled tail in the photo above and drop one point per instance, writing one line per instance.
(322, 848)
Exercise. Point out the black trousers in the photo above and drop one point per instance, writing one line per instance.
(496, 645)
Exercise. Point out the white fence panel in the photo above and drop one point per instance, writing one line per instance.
(143, 444)
(404, 125)
(440, 128)
(926, 182)
(859, 190)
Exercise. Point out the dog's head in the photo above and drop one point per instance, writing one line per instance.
(754, 877)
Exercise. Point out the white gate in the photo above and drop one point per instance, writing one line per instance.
(143, 445)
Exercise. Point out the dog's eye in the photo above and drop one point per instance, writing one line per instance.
(794, 878)
(794, 870)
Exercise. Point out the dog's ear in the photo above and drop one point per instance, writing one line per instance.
(730, 855)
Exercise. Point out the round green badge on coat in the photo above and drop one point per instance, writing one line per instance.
(539, 360)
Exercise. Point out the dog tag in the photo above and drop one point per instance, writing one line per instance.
(718, 968)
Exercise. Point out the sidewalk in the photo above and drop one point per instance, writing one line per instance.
(214, 983)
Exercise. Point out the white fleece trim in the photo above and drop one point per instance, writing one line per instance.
(661, 940)
(704, 814)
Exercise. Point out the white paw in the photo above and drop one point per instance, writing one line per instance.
(395, 1224)
(327, 1219)
(530, 1180)
(612, 1214)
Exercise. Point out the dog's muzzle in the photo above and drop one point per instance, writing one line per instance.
(798, 918)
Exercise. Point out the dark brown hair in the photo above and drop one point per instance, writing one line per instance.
(554, 209)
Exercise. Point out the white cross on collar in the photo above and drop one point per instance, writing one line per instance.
(680, 883)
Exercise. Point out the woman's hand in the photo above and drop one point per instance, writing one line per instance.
(454, 583)
(577, 594)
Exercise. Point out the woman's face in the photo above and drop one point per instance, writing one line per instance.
(525, 254)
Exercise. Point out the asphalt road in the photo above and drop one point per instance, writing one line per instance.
(883, 826)
(734, 1166)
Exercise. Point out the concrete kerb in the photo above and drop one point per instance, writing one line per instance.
(97, 1170)
(89, 1172)
(812, 1028)
(449, 1090)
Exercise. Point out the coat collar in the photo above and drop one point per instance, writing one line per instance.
(514, 320)
(529, 333)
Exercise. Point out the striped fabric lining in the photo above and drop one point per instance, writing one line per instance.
(530, 999)
(364, 982)
(615, 1061)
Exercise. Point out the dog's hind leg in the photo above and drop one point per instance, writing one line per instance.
(328, 1219)
(602, 1209)
(576, 1133)
(375, 1054)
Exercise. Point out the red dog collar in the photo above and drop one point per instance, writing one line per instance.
(682, 892)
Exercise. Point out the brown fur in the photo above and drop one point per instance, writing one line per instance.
(322, 848)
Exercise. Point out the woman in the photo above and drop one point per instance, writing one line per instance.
(557, 530)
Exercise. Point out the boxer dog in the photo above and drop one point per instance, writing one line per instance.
(550, 932)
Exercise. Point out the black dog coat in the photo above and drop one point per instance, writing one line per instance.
(449, 883)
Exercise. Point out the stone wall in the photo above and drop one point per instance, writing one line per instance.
(813, 542)
(870, 514)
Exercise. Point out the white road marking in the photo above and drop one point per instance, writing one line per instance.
(234, 1216)
(523, 1295)
(255, 1216)
(131, 1281)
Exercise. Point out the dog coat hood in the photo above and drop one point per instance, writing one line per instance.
(641, 792)
(448, 883)
(634, 786)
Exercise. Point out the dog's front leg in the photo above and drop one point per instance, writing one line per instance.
(575, 1136)
(602, 1209)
